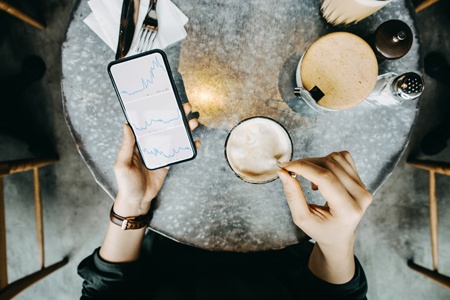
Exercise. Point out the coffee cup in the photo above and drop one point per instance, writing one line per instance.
(254, 148)
(346, 12)
(337, 72)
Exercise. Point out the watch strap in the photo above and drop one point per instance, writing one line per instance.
(126, 223)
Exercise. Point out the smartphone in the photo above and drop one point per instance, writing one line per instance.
(152, 106)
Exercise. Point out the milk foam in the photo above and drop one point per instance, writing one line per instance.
(254, 146)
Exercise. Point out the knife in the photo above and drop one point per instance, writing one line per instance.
(128, 20)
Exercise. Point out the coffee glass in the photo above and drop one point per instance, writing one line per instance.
(254, 148)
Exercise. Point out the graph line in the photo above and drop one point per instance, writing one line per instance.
(146, 82)
(157, 152)
(148, 124)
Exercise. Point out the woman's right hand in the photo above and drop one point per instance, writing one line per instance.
(333, 224)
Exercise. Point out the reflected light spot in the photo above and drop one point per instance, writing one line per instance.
(205, 98)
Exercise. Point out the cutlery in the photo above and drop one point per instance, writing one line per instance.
(128, 19)
(149, 29)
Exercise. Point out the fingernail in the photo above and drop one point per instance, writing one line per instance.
(282, 176)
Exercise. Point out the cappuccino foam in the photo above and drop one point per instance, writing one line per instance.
(254, 147)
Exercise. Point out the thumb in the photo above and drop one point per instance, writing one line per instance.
(126, 150)
(295, 197)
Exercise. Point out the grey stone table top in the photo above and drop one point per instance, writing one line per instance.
(239, 60)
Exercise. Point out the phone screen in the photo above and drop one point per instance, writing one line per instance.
(149, 99)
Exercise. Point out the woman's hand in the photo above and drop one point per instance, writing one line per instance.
(334, 224)
(137, 188)
(138, 185)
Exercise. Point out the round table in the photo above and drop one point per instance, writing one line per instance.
(239, 60)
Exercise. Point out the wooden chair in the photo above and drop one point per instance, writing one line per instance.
(440, 168)
(5, 6)
(8, 291)
(424, 4)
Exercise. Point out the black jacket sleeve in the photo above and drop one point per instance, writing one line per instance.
(199, 274)
(104, 280)
(303, 284)
(355, 289)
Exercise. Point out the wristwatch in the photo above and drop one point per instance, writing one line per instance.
(130, 222)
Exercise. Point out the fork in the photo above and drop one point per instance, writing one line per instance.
(148, 30)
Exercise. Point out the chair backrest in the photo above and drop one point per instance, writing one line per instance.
(9, 290)
(5, 6)
(440, 167)
(424, 4)
(20, 165)
(432, 167)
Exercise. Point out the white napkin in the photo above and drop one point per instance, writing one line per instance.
(105, 19)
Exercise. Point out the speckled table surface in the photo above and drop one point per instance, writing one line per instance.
(239, 60)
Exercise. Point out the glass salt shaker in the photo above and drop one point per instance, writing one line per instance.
(393, 89)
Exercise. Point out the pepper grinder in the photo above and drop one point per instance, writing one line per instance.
(391, 40)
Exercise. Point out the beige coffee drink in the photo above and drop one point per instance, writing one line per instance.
(343, 67)
(254, 146)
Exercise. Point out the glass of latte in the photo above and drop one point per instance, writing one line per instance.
(254, 148)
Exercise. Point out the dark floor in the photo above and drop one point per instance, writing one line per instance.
(394, 229)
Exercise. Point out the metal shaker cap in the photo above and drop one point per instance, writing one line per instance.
(408, 86)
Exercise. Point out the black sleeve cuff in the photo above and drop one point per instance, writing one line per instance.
(355, 289)
(104, 279)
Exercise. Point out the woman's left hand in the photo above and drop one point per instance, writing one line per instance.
(137, 185)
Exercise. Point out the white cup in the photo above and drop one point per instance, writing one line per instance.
(254, 147)
(345, 12)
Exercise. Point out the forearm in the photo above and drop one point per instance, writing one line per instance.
(335, 265)
(119, 245)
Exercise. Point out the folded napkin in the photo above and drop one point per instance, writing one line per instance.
(105, 21)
